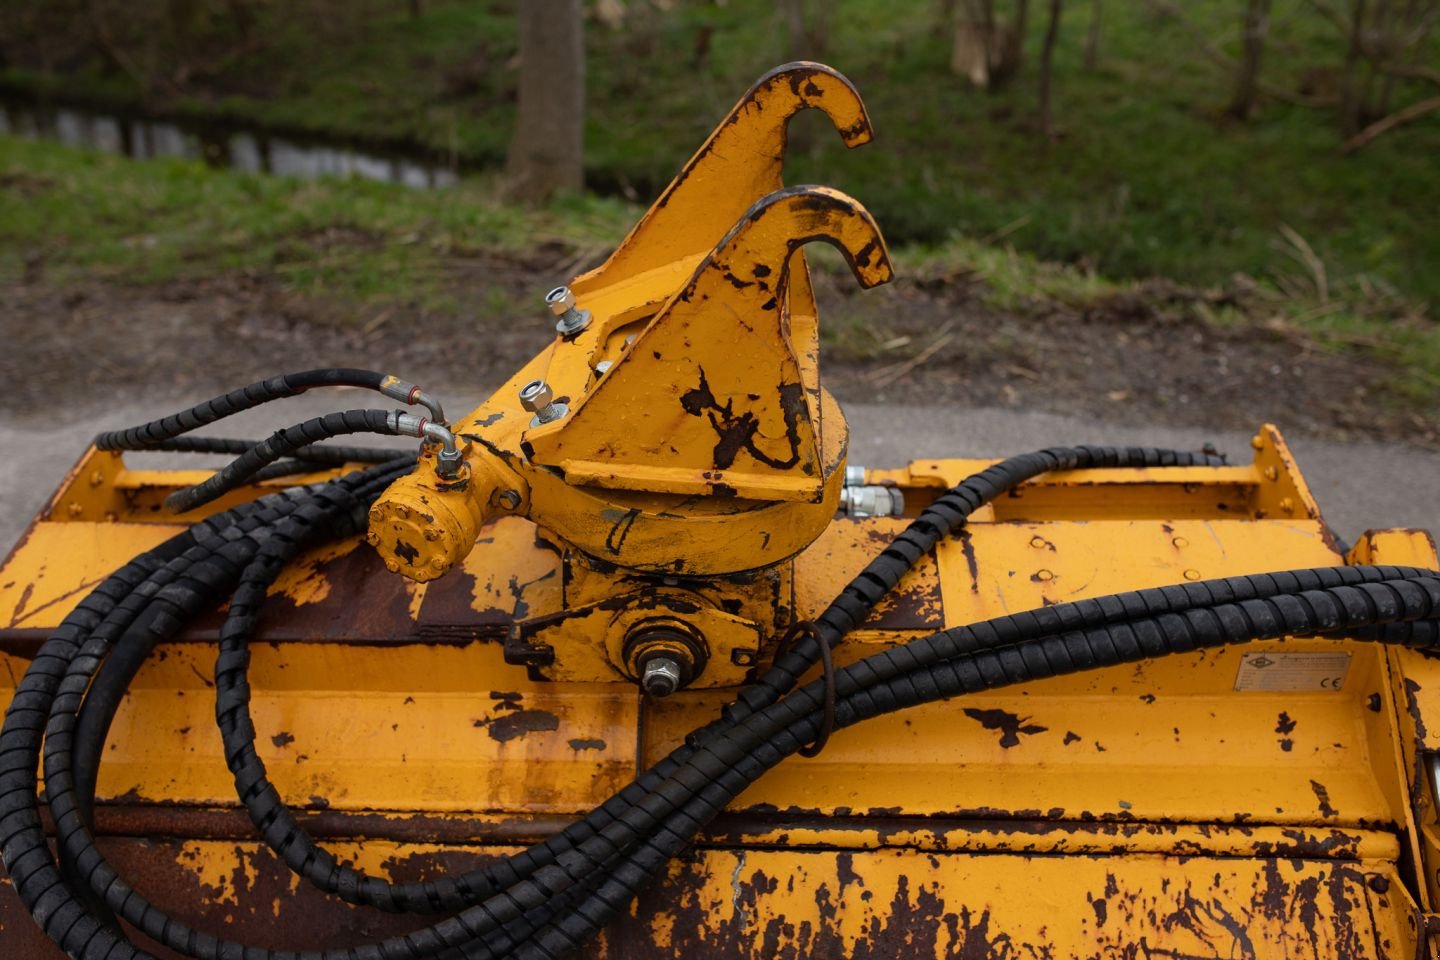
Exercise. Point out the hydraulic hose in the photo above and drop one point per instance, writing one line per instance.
(150, 435)
(545, 901)
(284, 442)
(274, 820)
(329, 454)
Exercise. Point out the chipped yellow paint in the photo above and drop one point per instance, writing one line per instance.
(302, 581)
(899, 904)
(416, 592)
(1415, 690)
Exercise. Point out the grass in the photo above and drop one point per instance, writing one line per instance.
(1147, 177)
(78, 215)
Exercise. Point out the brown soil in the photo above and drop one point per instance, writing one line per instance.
(1134, 359)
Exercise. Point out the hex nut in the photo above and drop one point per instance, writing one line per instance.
(560, 300)
(662, 676)
(536, 396)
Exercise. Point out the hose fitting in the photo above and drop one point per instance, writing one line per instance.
(449, 461)
(407, 392)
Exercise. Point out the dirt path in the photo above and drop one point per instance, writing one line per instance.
(1129, 361)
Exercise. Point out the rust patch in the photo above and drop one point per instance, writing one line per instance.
(509, 726)
(736, 432)
(1322, 796)
(1285, 726)
(1010, 725)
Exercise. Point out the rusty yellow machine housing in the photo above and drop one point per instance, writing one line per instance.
(644, 509)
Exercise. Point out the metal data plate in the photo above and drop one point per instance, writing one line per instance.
(1274, 671)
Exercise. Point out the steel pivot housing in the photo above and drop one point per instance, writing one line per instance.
(677, 430)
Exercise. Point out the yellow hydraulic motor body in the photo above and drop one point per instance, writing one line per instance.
(633, 524)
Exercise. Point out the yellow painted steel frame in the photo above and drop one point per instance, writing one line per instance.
(1150, 805)
(1271, 800)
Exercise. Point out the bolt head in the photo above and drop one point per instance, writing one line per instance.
(510, 499)
(536, 396)
(560, 300)
(661, 676)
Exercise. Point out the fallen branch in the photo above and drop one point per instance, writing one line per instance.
(1412, 73)
(889, 374)
(1413, 112)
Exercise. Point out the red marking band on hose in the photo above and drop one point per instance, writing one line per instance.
(414, 392)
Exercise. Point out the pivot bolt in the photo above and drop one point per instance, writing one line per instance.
(537, 397)
(561, 302)
(510, 499)
(661, 676)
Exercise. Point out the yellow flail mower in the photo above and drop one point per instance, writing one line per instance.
(540, 689)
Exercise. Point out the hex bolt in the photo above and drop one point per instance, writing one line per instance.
(603, 367)
(510, 499)
(561, 302)
(661, 676)
(537, 397)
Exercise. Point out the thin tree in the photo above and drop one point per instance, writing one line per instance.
(1092, 36)
(807, 28)
(1047, 62)
(1247, 80)
(547, 150)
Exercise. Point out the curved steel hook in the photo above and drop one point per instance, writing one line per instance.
(784, 221)
(740, 163)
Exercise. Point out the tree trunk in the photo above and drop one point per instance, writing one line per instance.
(1350, 97)
(1092, 39)
(971, 43)
(1022, 23)
(1247, 81)
(806, 28)
(1047, 57)
(547, 151)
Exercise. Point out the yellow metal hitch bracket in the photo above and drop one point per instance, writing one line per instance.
(676, 428)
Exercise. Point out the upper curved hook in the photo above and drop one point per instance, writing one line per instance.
(779, 224)
(740, 163)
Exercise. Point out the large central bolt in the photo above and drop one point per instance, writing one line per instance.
(661, 677)
(537, 397)
(561, 302)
